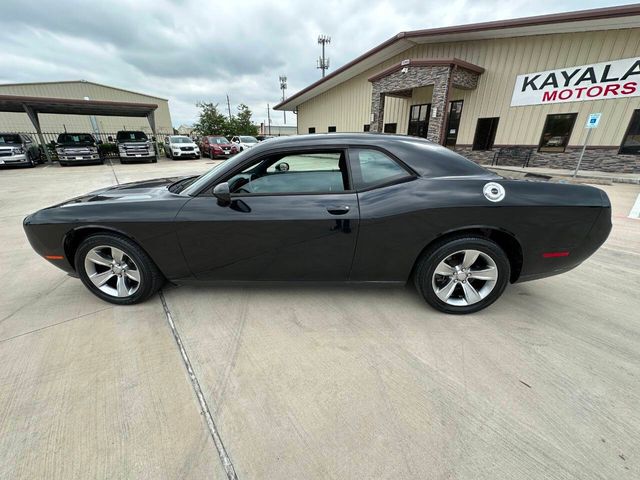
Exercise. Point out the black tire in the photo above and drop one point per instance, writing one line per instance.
(123, 162)
(154, 159)
(151, 278)
(429, 261)
(32, 162)
(169, 154)
(63, 164)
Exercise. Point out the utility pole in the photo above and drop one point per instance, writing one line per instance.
(323, 63)
(283, 87)
(228, 106)
(269, 119)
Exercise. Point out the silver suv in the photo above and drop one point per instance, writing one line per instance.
(17, 149)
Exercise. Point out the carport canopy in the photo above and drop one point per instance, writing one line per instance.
(33, 106)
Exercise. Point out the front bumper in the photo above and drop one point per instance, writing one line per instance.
(87, 158)
(185, 154)
(15, 161)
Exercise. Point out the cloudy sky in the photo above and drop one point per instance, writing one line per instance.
(197, 50)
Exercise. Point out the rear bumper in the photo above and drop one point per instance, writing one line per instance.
(582, 250)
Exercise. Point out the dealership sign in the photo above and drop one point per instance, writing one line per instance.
(598, 81)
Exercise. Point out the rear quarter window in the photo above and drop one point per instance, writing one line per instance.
(373, 167)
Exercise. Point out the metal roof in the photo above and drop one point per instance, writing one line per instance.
(63, 82)
(70, 106)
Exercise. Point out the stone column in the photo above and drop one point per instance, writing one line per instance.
(439, 102)
(377, 109)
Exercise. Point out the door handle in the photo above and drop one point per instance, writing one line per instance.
(338, 210)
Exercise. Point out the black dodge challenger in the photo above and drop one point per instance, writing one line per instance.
(327, 208)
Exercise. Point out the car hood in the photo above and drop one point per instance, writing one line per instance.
(134, 191)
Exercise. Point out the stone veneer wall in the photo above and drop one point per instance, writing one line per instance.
(601, 159)
(415, 77)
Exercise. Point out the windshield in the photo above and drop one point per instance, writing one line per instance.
(10, 139)
(204, 179)
(181, 140)
(218, 140)
(131, 136)
(75, 138)
(248, 139)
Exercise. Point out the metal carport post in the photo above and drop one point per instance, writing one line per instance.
(33, 116)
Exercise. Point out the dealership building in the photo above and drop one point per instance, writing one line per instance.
(532, 83)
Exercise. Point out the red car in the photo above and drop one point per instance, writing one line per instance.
(217, 146)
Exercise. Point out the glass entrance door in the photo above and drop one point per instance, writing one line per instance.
(419, 120)
(453, 124)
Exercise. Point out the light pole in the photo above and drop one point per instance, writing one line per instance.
(323, 63)
(283, 87)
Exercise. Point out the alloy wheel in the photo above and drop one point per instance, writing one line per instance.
(465, 277)
(112, 271)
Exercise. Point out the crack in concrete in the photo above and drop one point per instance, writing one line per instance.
(54, 324)
(113, 170)
(213, 429)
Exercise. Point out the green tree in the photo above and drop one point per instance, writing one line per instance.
(210, 121)
(241, 123)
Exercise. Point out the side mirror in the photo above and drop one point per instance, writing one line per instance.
(222, 193)
(110, 138)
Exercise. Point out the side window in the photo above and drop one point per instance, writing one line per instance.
(304, 172)
(312, 129)
(372, 167)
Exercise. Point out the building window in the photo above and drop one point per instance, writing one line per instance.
(485, 133)
(631, 141)
(312, 129)
(390, 127)
(556, 132)
(331, 129)
(367, 127)
(419, 120)
(453, 123)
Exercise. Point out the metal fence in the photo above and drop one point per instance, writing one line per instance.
(107, 149)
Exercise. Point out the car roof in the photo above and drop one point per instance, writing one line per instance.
(426, 158)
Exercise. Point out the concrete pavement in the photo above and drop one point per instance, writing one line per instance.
(314, 383)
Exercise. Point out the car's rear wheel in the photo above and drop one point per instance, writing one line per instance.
(462, 274)
(116, 269)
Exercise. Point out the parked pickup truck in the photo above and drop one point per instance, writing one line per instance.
(135, 146)
(17, 149)
(76, 149)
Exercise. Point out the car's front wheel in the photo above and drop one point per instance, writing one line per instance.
(462, 274)
(116, 269)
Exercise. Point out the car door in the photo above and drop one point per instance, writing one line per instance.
(292, 217)
(389, 230)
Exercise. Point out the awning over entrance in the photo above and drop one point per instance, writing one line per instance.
(443, 74)
(33, 106)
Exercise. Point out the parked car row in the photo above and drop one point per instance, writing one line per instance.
(132, 146)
